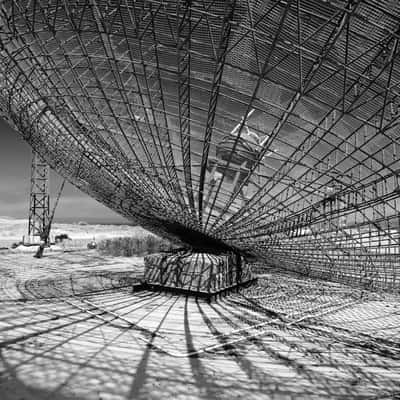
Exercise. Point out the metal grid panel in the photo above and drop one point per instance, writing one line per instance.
(274, 122)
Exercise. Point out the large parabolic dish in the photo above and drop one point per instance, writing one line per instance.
(267, 127)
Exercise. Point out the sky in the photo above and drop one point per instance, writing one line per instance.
(15, 169)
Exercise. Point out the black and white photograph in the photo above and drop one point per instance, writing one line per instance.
(199, 199)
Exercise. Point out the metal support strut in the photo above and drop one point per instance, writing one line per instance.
(39, 208)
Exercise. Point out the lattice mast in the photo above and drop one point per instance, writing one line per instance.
(39, 208)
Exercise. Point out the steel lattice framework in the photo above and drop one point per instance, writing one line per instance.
(39, 204)
(267, 127)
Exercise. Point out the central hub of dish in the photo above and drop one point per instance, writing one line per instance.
(202, 274)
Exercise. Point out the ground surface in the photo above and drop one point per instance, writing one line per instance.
(71, 328)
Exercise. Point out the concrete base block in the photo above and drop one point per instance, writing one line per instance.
(196, 273)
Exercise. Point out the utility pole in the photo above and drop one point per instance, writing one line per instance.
(39, 209)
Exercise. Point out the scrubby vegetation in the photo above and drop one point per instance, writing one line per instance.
(13, 230)
(133, 246)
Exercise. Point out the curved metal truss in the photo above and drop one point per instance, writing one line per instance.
(268, 127)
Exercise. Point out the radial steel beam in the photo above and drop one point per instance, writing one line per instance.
(215, 88)
(184, 32)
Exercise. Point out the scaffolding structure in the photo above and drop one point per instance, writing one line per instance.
(39, 205)
(132, 100)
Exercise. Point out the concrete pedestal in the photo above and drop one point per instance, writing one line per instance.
(196, 273)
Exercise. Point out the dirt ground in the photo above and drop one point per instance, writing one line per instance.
(72, 328)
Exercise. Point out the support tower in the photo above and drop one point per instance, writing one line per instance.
(39, 207)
